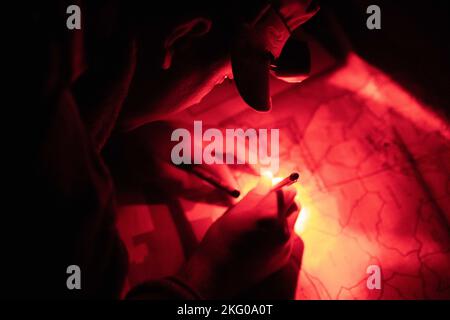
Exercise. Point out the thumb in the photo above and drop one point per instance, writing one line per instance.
(276, 203)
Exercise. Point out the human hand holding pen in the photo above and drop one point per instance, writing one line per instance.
(141, 159)
(251, 241)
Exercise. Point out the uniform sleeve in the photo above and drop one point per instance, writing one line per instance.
(61, 193)
(169, 288)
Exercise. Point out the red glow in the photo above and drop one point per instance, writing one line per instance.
(374, 185)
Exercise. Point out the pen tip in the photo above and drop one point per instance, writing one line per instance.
(235, 193)
(294, 176)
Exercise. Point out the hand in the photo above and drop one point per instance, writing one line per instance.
(140, 159)
(251, 241)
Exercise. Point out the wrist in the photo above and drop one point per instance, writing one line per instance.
(199, 275)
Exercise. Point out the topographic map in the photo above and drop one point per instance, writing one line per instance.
(374, 187)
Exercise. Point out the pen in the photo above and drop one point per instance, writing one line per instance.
(293, 177)
(209, 178)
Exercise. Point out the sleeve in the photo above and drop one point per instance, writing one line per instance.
(170, 288)
(62, 197)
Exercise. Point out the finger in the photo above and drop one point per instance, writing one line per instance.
(298, 248)
(223, 175)
(285, 199)
(279, 201)
(275, 204)
(221, 172)
(292, 209)
(291, 220)
(289, 223)
(183, 183)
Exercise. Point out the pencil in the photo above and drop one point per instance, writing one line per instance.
(293, 177)
(209, 178)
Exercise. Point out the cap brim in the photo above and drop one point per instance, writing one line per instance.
(263, 40)
(294, 63)
(251, 75)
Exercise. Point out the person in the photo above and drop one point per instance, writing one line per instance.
(84, 85)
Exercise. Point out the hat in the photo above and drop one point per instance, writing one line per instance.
(264, 46)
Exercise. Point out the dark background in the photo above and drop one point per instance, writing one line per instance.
(412, 45)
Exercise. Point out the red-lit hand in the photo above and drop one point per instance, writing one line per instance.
(250, 242)
(143, 160)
